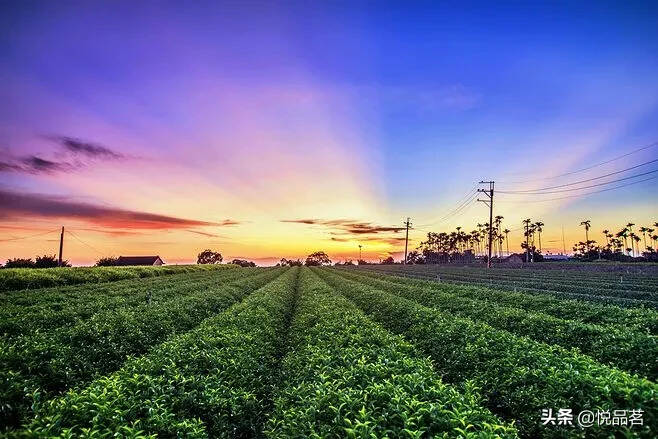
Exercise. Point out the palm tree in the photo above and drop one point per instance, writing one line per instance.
(637, 240)
(506, 232)
(526, 223)
(630, 230)
(644, 231)
(539, 226)
(605, 233)
(587, 224)
(623, 234)
(498, 221)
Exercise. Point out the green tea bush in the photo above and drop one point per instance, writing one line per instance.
(347, 377)
(518, 376)
(642, 319)
(610, 345)
(31, 278)
(211, 382)
(48, 309)
(634, 292)
(43, 364)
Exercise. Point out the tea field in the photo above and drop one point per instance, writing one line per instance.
(380, 351)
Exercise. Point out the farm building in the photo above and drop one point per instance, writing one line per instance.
(556, 257)
(139, 260)
(513, 259)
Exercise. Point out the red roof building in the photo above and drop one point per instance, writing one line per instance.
(139, 260)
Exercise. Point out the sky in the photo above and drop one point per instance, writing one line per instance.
(274, 129)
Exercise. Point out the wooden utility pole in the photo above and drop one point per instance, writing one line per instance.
(564, 245)
(406, 241)
(490, 193)
(61, 247)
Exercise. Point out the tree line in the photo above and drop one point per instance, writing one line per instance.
(623, 245)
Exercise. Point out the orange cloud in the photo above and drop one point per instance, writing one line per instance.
(15, 205)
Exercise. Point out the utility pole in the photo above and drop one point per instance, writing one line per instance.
(61, 247)
(564, 246)
(406, 240)
(489, 193)
(360, 252)
(527, 239)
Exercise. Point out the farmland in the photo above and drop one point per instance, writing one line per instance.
(27, 278)
(397, 351)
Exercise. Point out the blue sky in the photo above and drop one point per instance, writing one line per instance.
(379, 110)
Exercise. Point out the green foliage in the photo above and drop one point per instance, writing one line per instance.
(289, 263)
(317, 259)
(623, 289)
(616, 346)
(19, 263)
(47, 261)
(45, 363)
(641, 319)
(210, 382)
(209, 257)
(23, 278)
(28, 311)
(243, 263)
(109, 261)
(518, 376)
(347, 377)
(284, 353)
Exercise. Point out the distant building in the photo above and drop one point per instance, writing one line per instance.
(556, 257)
(139, 260)
(513, 259)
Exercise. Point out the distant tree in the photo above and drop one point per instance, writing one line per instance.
(46, 261)
(632, 236)
(289, 263)
(415, 258)
(317, 259)
(19, 263)
(587, 224)
(586, 251)
(506, 232)
(388, 261)
(361, 262)
(109, 261)
(539, 228)
(243, 263)
(209, 257)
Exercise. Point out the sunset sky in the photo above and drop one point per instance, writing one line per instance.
(274, 129)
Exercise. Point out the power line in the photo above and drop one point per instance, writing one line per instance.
(580, 188)
(458, 204)
(588, 179)
(457, 210)
(579, 195)
(88, 245)
(651, 145)
(28, 237)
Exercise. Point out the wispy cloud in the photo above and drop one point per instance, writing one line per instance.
(347, 226)
(78, 146)
(16, 205)
(372, 239)
(206, 234)
(80, 154)
(34, 165)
